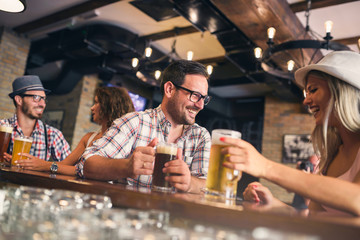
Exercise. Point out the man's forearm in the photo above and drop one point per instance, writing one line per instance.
(196, 184)
(102, 168)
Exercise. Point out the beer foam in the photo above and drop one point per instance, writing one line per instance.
(23, 139)
(6, 128)
(217, 134)
(166, 149)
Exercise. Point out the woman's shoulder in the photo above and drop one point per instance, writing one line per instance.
(87, 136)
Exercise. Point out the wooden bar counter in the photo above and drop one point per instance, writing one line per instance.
(195, 207)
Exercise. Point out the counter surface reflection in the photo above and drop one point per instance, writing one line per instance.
(194, 207)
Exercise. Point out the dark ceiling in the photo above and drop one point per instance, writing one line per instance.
(66, 55)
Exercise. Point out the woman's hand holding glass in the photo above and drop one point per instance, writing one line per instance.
(242, 156)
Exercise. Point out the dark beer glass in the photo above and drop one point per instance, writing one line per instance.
(165, 152)
(5, 136)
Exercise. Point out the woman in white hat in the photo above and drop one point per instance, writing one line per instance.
(332, 89)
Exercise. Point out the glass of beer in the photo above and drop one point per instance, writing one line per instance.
(165, 152)
(5, 136)
(221, 181)
(22, 144)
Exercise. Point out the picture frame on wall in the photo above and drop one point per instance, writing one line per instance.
(53, 118)
(297, 147)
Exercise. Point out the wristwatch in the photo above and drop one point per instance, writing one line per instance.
(54, 167)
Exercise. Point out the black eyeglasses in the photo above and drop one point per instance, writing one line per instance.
(36, 98)
(195, 96)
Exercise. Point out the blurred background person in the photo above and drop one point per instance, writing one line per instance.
(29, 97)
(110, 103)
(308, 166)
(332, 89)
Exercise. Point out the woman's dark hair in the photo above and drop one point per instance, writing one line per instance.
(114, 103)
(177, 71)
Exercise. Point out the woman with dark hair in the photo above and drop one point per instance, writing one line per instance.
(110, 103)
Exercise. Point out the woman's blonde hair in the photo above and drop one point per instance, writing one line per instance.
(344, 102)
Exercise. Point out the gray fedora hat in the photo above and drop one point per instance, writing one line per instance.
(344, 65)
(27, 83)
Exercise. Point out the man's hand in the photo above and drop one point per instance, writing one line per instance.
(7, 158)
(180, 176)
(141, 161)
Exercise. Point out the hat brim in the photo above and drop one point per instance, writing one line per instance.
(13, 94)
(338, 72)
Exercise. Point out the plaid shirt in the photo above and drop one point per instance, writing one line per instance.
(58, 147)
(138, 129)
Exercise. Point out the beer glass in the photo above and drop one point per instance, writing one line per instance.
(221, 181)
(22, 144)
(5, 136)
(165, 152)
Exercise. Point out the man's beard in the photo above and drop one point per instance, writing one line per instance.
(26, 110)
(178, 117)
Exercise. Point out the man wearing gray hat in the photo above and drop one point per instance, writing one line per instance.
(29, 98)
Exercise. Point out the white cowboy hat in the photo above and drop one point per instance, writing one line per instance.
(344, 65)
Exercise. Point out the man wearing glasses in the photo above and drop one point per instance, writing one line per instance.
(126, 151)
(29, 97)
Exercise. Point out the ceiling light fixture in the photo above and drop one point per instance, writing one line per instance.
(189, 55)
(266, 57)
(13, 6)
(209, 69)
(157, 74)
(148, 52)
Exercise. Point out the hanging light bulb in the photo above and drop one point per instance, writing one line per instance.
(13, 6)
(290, 65)
(157, 74)
(328, 26)
(209, 69)
(258, 52)
(148, 52)
(189, 55)
(134, 62)
(271, 33)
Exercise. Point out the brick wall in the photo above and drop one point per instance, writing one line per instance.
(282, 118)
(83, 119)
(76, 107)
(13, 54)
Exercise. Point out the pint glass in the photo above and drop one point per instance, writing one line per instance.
(165, 152)
(5, 136)
(221, 181)
(21, 145)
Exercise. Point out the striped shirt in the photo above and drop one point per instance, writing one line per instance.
(138, 129)
(58, 147)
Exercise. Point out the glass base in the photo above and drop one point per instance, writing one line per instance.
(230, 194)
(211, 192)
(162, 189)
